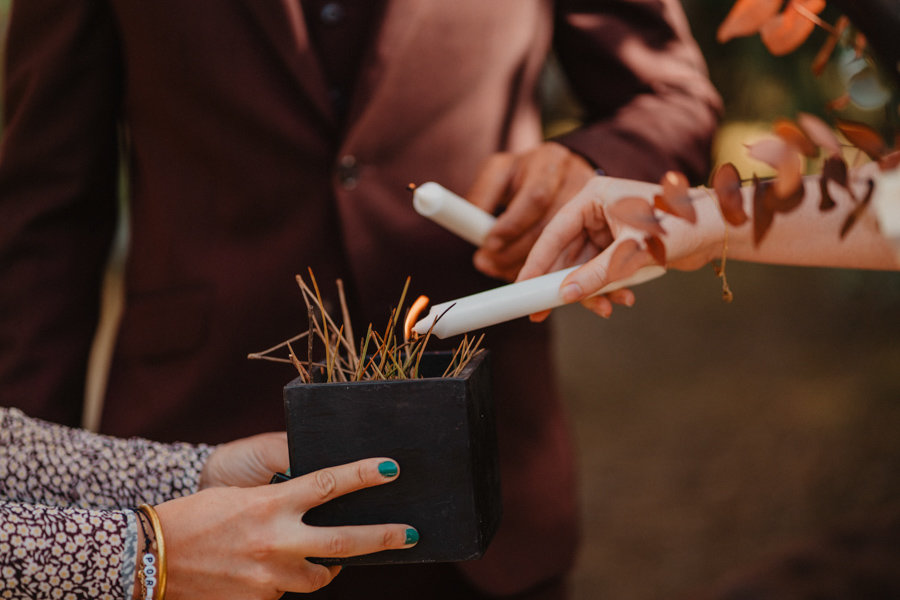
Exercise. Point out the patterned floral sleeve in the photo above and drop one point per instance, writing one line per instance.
(50, 464)
(66, 530)
(48, 552)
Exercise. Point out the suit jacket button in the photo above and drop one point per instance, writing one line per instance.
(332, 13)
(348, 172)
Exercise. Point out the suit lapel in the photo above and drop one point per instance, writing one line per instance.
(382, 66)
(283, 24)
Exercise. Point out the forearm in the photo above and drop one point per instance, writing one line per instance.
(50, 464)
(808, 236)
(651, 135)
(649, 104)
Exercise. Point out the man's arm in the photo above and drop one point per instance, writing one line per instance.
(650, 107)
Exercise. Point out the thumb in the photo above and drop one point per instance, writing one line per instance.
(622, 259)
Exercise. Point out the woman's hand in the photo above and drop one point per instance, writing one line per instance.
(246, 462)
(228, 542)
(588, 230)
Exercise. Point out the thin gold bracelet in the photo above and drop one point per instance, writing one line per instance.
(160, 548)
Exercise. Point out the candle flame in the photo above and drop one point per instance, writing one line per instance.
(413, 315)
(411, 187)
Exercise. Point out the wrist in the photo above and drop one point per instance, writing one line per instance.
(712, 222)
(209, 476)
(690, 246)
(150, 570)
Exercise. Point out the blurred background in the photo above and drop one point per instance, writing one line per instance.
(711, 434)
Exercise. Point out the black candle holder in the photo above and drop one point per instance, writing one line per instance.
(439, 429)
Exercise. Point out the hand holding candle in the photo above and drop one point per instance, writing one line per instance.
(500, 304)
(510, 302)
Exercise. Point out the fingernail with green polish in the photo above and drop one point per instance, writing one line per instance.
(412, 536)
(388, 468)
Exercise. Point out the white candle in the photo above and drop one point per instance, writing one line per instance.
(511, 301)
(452, 212)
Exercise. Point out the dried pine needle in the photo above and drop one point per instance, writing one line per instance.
(379, 356)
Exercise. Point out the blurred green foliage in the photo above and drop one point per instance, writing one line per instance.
(754, 84)
(757, 86)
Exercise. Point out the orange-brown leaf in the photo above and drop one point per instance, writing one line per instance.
(859, 44)
(863, 137)
(746, 17)
(636, 212)
(791, 133)
(762, 214)
(857, 211)
(827, 49)
(826, 202)
(819, 132)
(787, 199)
(788, 164)
(656, 248)
(727, 185)
(675, 198)
(834, 169)
(789, 181)
(785, 32)
(627, 258)
(890, 161)
(839, 103)
(769, 150)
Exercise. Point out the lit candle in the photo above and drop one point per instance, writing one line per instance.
(452, 212)
(505, 303)
(511, 301)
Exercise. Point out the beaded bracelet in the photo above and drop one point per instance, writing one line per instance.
(154, 567)
(147, 574)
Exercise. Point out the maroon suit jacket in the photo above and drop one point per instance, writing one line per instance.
(240, 176)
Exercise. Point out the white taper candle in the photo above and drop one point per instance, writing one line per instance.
(452, 212)
(498, 305)
(510, 302)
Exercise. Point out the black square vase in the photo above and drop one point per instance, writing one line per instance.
(441, 432)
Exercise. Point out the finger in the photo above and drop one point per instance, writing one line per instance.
(321, 486)
(358, 539)
(505, 262)
(583, 215)
(599, 305)
(539, 317)
(560, 234)
(544, 190)
(530, 206)
(311, 577)
(491, 187)
(273, 452)
(485, 263)
(246, 462)
(623, 258)
(579, 251)
(622, 296)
